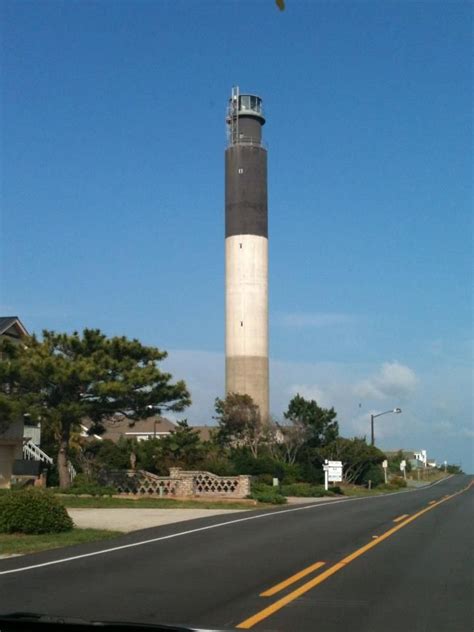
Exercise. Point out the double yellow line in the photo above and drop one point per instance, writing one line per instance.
(304, 588)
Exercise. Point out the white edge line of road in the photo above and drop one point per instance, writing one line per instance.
(212, 526)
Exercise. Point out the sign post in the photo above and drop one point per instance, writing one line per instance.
(403, 465)
(332, 472)
(385, 465)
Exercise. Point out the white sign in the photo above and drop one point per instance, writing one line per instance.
(385, 464)
(333, 471)
(403, 465)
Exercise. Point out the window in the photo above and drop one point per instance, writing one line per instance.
(245, 103)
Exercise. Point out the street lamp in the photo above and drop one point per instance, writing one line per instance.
(372, 417)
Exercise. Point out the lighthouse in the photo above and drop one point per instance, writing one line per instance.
(246, 251)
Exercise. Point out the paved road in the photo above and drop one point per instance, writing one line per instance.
(375, 573)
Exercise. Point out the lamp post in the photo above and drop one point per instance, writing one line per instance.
(372, 417)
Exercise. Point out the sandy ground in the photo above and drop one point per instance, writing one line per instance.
(133, 519)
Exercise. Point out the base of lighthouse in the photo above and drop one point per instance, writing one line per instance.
(249, 374)
(247, 318)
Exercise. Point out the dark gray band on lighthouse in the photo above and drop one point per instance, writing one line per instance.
(246, 191)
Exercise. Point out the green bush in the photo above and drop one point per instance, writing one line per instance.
(375, 474)
(397, 482)
(306, 490)
(83, 484)
(273, 498)
(266, 479)
(267, 494)
(32, 511)
(244, 463)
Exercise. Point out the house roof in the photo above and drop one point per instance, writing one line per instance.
(121, 426)
(6, 322)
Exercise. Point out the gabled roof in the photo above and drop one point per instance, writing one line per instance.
(121, 426)
(6, 322)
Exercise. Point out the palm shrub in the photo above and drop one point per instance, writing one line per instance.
(32, 511)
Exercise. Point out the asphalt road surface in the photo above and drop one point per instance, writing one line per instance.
(381, 564)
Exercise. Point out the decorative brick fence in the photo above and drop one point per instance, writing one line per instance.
(180, 483)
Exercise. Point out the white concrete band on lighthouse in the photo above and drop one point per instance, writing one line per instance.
(246, 258)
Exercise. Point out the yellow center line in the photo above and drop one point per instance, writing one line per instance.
(283, 601)
(401, 517)
(432, 502)
(291, 580)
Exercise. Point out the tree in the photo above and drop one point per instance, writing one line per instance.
(320, 423)
(357, 457)
(183, 447)
(292, 438)
(65, 378)
(394, 461)
(239, 422)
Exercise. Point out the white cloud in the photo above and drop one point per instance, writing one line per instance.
(436, 403)
(314, 319)
(451, 429)
(203, 372)
(392, 380)
(310, 392)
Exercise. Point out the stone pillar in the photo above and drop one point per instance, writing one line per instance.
(243, 489)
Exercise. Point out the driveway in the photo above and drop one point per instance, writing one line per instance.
(132, 519)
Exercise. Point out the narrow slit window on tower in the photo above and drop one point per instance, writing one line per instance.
(240, 245)
(241, 323)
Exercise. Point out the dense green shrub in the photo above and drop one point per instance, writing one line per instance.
(273, 497)
(218, 464)
(267, 494)
(32, 511)
(312, 472)
(375, 474)
(397, 482)
(266, 479)
(83, 484)
(306, 490)
(244, 463)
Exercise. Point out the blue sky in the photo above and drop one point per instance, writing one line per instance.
(112, 193)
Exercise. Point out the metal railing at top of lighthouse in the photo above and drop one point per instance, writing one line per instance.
(234, 111)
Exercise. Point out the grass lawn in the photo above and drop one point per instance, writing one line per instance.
(22, 543)
(363, 491)
(106, 502)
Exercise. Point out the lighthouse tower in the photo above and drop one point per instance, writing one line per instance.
(246, 247)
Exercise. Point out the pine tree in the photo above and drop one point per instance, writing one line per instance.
(65, 378)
